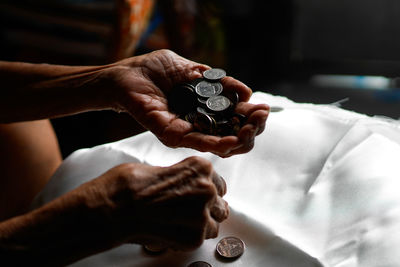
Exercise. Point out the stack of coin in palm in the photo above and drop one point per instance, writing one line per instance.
(204, 103)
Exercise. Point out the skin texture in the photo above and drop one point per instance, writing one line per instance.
(131, 202)
(156, 79)
(137, 85)
(177, 206)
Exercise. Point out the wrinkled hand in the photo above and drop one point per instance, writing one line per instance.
(177, 206)
(146, 80)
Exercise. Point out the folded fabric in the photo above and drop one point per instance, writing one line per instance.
(320, 187)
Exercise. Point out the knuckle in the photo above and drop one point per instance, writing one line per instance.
(165, 52)
(209, 188)
(125, 168)
(200, 164)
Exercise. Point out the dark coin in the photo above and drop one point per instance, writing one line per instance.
(154, 249)
(241, 118)
(214, 74)
(208, 89)
(204, 123)
(218, 103)
(230, 247)
(224, 127)
(182, 99)
(199, 264)
(190, 117)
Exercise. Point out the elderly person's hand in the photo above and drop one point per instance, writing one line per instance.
(176, 207)
(138, 85)
(146, 80)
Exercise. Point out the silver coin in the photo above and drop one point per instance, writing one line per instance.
(233, 96)
(208, 89)
(214, 74)
(199, 264)
(218, 103)
(230, 247)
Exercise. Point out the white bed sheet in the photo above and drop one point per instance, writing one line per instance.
(321, 187)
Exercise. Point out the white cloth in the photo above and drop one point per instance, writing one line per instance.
(320, 187)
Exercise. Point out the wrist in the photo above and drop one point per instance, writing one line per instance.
(38, 91)
(59, 233)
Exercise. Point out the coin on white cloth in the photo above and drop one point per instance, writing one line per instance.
(230, 247)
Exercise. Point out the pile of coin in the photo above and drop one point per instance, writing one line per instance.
(204, 103)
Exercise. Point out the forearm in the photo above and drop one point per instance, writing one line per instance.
(37, 91)
(57, 234)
